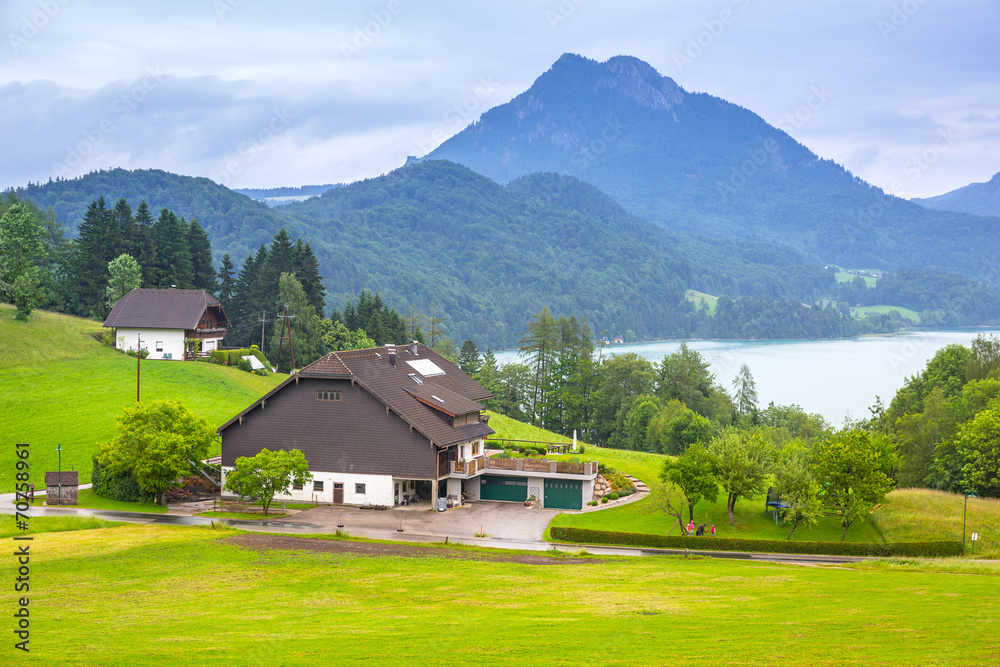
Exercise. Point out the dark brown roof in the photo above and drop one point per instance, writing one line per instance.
(442, 399)
(66, 478)
(395, 387)
(163, 309)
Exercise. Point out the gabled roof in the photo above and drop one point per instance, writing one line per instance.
(396, 386)
(163, 309)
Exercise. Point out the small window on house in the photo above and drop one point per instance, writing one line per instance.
(318, 486)
(475, 448)
(296, 487)
(159, 346)
(359, 488)
(327, 395)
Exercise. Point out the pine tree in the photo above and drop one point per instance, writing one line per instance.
(147, 257)
(96, 241)
(279, 260)
(306, 269)
(227, 281)
(174, 258)
(128, 231)
(201, 258)
(468, 358)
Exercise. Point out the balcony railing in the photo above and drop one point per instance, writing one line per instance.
(527, 465)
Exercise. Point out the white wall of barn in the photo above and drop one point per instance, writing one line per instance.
(378, 489)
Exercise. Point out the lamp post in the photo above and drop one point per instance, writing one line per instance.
(964, 512)
(59, 482)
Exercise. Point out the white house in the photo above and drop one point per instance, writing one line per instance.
(170, 323)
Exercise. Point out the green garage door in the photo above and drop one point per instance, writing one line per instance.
(494, 487)
(563, 494)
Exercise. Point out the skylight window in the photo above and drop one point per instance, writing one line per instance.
(426, 367)
(416, 378)
(438, 399)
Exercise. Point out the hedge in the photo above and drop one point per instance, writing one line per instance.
(232, 357)
(117, 486)
(885, 550)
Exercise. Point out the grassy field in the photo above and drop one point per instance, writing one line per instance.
(885, 310)
(696, 297)
(845, 277)
(153, 595)
(87, 499)
(911, 515)
(73, 395)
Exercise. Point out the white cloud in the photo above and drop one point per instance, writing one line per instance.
(360, 110)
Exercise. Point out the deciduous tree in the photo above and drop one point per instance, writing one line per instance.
(267, 474)
(124, 275)
(158, 442)
(854, 467)
(743, 461)
(692, 473)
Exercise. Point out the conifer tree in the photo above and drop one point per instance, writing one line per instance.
(96, 241)
(306, 269)
(227, 281)
(201, 258)
(174, 258)
(146, 238)
(128, 231)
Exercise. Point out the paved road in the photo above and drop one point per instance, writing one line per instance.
(509, 526)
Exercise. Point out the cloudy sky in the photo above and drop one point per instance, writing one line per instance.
(251, 93)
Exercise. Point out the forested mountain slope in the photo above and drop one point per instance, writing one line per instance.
(698, 163)
(975, 198)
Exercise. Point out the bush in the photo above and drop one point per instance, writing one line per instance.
(612, 496)
(920, 549)
(605, 469)
(144, 351)
(207, 360)
(618, 480)
(220, 357)
(263, 371)
(580, 448)
(604, 499)
(593, 503)
(244, 365)
(122, 486)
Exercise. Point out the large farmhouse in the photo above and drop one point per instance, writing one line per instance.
(172, 323)
(391, 425)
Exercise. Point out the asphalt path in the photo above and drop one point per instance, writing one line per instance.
(408, 535)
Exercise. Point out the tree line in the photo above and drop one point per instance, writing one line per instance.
(945, 421)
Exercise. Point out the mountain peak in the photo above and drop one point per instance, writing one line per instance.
(626, 77)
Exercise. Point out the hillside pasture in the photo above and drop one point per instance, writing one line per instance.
(697, 298)
(885, 310)
(191, 596)
(74, 398)
(845, 277)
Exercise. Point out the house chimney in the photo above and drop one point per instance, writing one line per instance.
(413, 347)
(392, 356)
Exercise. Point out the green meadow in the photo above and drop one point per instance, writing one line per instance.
(885, 310)
(154, 595)
(60, 386)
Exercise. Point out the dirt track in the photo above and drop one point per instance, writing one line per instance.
(286, 542)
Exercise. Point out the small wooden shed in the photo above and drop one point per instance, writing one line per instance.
(66, 495)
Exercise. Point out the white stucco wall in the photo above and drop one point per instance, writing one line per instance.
(172, 341)
(378, 488)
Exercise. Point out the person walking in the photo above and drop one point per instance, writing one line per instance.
(713, 530)
(701, 530)
(691, 528)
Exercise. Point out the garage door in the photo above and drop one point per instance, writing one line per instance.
(563, 494)
(494, 487)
